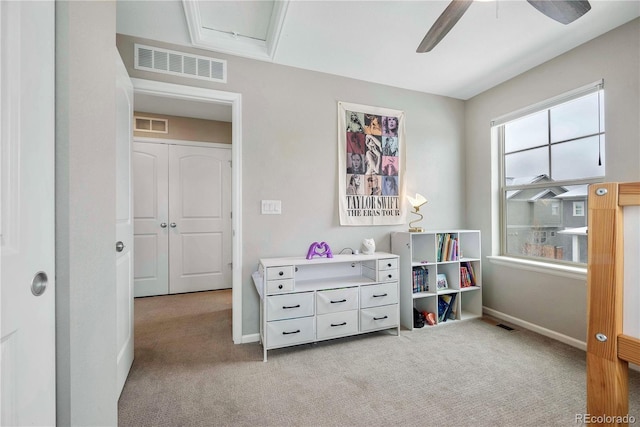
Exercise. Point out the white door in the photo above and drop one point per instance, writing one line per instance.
(182, 211)
(200, 218)
(124, 222)
(151, 219)
(27, 285)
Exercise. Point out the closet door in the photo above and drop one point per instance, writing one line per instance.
(199, 218)
(150, 209)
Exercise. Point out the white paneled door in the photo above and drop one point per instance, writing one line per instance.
(27, 246)
(124, 222)
(195, 223)
(200, 218)
(151, 216)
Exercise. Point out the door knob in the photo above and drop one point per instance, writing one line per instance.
(39, 283)
(173, 225)
(163, 225)
(119, 246)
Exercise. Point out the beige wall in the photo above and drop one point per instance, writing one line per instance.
(290, 153)
(547, 300)
(188, 129)
(86, 338)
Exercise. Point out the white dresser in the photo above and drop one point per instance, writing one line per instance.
(304, 301)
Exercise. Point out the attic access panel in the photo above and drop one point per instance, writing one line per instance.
(243, 19)
(246, 28)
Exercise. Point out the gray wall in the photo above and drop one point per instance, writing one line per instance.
(85, 214)
(547, 300)
(290, 153)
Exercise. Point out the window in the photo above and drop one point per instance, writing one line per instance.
(578, 208)
(549, 154)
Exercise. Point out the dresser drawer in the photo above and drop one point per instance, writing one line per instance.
(380, 294)
(282, 272)
(378, 317)
(282, 333)
(382, 264)
(388, 275)
(288, 306)
(388, 264)
(334, 300)
(335, 325)
(380, 275)
(275, 286)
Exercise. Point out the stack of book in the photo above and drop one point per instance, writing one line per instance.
(467, 275)
(420, 279)
(448, 249)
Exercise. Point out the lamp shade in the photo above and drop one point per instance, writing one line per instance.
(418, 201)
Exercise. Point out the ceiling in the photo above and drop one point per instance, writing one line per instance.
(376, 41)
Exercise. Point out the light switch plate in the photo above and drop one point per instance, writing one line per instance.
(271, 207)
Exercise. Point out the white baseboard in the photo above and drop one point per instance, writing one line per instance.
(543, 331)
(536, 328)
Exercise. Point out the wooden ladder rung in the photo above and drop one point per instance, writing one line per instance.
(629, 349)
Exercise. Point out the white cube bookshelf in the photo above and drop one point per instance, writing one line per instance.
(426, 252)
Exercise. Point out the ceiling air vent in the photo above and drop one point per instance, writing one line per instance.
(165, 61)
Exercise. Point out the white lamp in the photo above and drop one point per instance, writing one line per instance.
(416, 202)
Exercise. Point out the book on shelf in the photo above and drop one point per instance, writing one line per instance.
(444, 306)
(453, 308)
(467, 275)
(472, 273)
(441, 281)
(450, 309)
(448, 247)
(420, 279)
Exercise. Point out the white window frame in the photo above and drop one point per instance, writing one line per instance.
(578, 208)
(498, 126)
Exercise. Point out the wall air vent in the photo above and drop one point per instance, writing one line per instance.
(165, 61)
(151, 124)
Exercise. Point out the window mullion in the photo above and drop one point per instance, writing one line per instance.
(549, 142)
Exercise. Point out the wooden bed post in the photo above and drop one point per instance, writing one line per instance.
(607, 375)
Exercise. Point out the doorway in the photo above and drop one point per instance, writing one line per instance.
(214, 98)
(182, 216)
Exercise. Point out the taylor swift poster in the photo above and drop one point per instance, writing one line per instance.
(371, 165)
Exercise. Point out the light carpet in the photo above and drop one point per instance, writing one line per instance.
(188, 372)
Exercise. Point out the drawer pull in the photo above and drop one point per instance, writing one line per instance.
(389, 265)
(289, 333)
(336, 302)
(284, 307)
(390, 276)
(381, 318)
(281, 273)
(379, 296)
(279, 286)
(338, 324)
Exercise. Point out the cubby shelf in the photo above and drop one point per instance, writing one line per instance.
(426, 255)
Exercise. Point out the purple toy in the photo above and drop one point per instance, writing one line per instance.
(321, 249)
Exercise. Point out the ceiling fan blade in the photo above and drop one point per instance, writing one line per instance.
(564, 12)
(443, 24)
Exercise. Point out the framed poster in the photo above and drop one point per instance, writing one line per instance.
(370, 165)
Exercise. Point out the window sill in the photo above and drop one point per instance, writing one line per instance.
(577, 273)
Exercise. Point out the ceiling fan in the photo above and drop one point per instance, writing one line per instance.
(563, 11)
